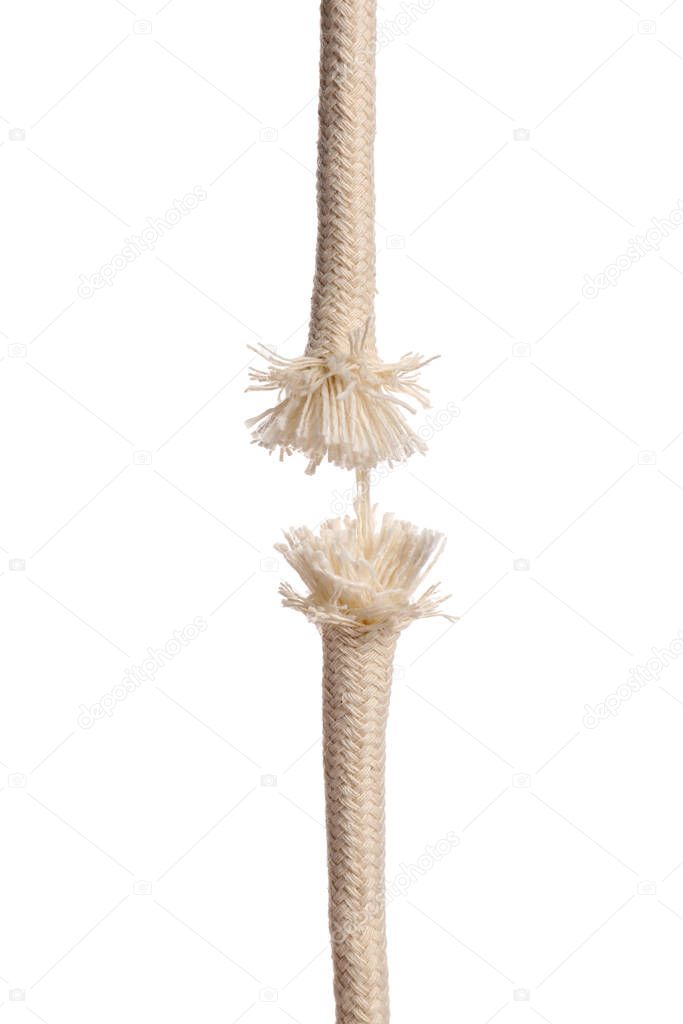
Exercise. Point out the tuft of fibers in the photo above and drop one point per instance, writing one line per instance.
(343, 405)
(361, 576)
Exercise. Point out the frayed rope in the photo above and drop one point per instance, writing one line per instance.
(346, 406)
(363, 578)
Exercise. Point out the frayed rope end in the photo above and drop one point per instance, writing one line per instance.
(363, 578)
(344, 406)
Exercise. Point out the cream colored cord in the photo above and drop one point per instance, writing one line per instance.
(341, 402)
(356, 684)
(344, 287)
(361, 579)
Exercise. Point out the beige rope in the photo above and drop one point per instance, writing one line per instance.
(356, 684)
(341, 402)
(344, 288)
(361, 582)
(357, 669)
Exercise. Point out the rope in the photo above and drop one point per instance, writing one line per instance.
(341, 402)
(356, 683)
(344, 286)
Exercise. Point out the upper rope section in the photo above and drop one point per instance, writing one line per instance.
(339, 400)
(344, 286)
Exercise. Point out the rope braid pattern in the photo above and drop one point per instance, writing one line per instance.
(361, 580)
(341, 402)
(356, 683)
(344, 287)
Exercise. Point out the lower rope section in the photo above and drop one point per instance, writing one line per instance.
(361, 580)
(356, 686)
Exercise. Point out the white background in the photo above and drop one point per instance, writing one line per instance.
(555, 439)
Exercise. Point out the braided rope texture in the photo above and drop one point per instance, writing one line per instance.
(344, 286)
(357, 667)
(339, 400)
